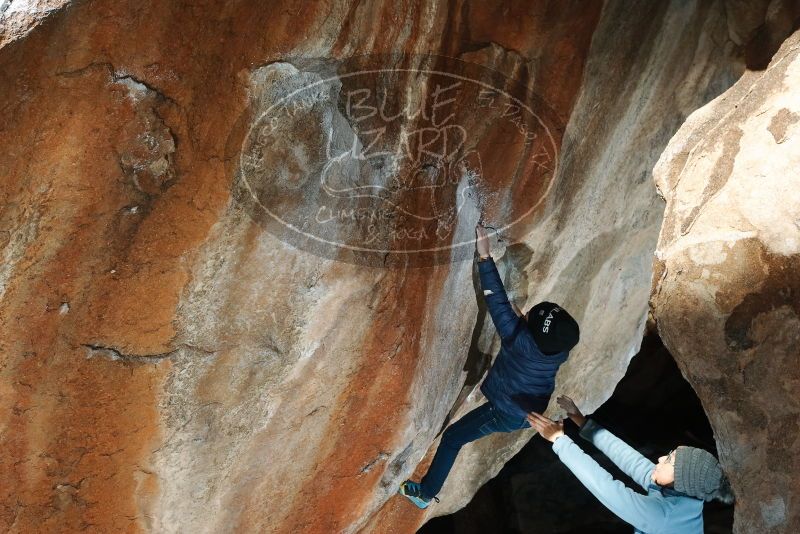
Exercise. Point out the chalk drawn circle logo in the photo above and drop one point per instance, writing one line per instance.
(391, 160)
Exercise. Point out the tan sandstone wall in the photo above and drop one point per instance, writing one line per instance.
(726, 293)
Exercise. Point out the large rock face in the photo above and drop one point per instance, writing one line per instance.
(726, 295)
(601, 221)
(188, 346)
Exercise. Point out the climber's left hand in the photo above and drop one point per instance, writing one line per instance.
(482, 240)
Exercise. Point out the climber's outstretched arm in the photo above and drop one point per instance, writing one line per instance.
(505, 319)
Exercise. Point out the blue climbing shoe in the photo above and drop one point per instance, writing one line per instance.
(413, 491)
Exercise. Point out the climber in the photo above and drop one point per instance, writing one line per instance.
(677, 486)
(521, 379)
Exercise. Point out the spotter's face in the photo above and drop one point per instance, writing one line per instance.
(664, 473)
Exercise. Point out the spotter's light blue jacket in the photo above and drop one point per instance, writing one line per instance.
(522, 377)
(661, 511)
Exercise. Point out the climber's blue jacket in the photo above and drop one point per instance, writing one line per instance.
(662, 511)
(522, 377)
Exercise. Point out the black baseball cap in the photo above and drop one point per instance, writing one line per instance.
(553, 329)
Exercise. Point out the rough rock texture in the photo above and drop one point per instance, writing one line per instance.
(726, 295)
(19, 17)
(601, 221)
(168, 364)
(760, 26)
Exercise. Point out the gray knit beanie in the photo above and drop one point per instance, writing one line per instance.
(698, 474)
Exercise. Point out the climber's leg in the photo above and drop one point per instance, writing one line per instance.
(478, 423)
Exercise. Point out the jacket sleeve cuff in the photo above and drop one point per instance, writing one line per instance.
(561, 443)
(486, 264)
(588, 429)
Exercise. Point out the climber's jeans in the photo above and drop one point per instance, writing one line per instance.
(481, 421)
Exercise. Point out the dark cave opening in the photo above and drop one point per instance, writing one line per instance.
(653, 408)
